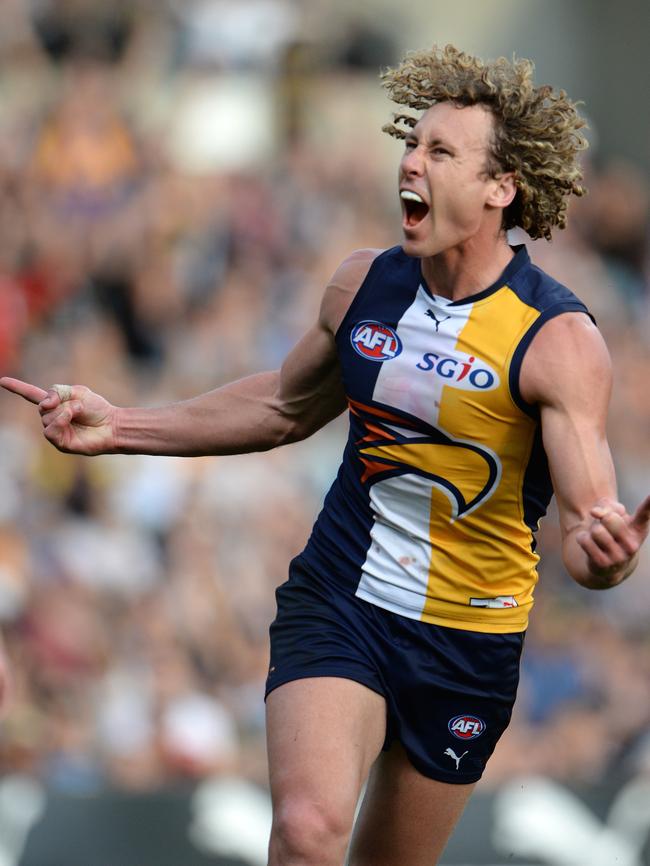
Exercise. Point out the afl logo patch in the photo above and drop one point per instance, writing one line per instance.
(466, 727)
(375, 342)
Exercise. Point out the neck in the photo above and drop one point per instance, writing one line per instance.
(467, 269)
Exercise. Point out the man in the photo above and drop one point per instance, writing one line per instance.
(473, 380)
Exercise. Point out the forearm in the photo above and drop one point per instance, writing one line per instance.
(240, 417)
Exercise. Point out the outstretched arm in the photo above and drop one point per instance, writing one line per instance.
(253, 414)
(567, 372)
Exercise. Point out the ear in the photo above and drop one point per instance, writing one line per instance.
(504, 189)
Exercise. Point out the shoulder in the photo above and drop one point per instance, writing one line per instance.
(344, 285)
(353, 270)
(540, 290)
(567, 356)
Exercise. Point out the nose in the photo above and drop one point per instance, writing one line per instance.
(412, 163)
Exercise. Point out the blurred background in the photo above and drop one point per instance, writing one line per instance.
(178, 180)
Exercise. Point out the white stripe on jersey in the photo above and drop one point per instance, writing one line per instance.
(395, 573)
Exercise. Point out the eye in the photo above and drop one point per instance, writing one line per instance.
(438, 150)
(409, 144)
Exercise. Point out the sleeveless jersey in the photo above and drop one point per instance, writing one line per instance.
(444, 477)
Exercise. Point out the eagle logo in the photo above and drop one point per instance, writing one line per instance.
(395, 443)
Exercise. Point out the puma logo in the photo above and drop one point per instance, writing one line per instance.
(450, 753)
(438, 321)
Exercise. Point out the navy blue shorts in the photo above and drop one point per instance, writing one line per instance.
(449, 692)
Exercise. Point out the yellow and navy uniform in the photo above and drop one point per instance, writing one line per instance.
(444, 478)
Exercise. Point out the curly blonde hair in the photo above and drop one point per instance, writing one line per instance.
(535, 132)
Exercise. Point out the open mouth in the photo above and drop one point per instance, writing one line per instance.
(414, 207)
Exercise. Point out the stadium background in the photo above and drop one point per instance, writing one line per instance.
(178, 179)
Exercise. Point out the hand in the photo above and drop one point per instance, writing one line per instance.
(75, 419)
(613, 540)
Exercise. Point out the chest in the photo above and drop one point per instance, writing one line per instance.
(431, 360)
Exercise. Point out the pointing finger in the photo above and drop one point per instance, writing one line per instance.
(642, 516)
(30, 392)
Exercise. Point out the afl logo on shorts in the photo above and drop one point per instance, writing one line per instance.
(466, 727)
(375, 341)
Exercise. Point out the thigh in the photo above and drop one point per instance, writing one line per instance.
(323, 734)
(406, 818)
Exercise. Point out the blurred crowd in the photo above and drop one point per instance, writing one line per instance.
(158, 240)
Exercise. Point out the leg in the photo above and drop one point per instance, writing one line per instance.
(406, 818)
(323, 735)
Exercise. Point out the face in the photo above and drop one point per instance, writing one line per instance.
(446, 196)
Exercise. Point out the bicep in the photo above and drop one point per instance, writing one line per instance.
(310, 390)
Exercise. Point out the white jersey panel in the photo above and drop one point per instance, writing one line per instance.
(395, 573)
(430, 326)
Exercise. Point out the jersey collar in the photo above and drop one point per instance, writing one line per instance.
(519, 260)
